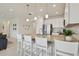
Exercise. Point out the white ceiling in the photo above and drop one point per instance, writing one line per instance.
(12, 10)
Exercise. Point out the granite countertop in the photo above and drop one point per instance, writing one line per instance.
(75, 38)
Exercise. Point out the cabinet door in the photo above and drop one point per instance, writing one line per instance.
(74, 13)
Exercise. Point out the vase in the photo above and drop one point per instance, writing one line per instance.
(68, 38)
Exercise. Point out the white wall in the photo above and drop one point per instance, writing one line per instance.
(1, 27)
(4, 27)
(27, 27)
(75, 29)
(13, 33)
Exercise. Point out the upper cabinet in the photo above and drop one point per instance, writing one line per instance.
(74, 13)
(39, 25)
(66, 14)
(71, 13)
(56, 22)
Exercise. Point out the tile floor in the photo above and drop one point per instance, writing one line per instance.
(11, 49)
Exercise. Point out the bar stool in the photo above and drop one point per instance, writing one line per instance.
(41, 46)
(27, 45)
(19, 44)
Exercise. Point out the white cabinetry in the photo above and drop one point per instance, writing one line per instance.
(39, 26)
(56, 22)
(74, 13)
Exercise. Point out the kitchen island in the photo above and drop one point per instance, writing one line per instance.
(55, 37)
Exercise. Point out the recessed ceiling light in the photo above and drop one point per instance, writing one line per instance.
(27, 20)
(46, 16)
(35, 18)
(54, 5)
(56, 12)
(41, 10)
(11, 9)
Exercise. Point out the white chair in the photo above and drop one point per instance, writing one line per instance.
(41, 46)
(19, 44)
(27, 45)
(63, 48)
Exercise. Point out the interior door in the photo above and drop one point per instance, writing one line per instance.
(6, 28)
